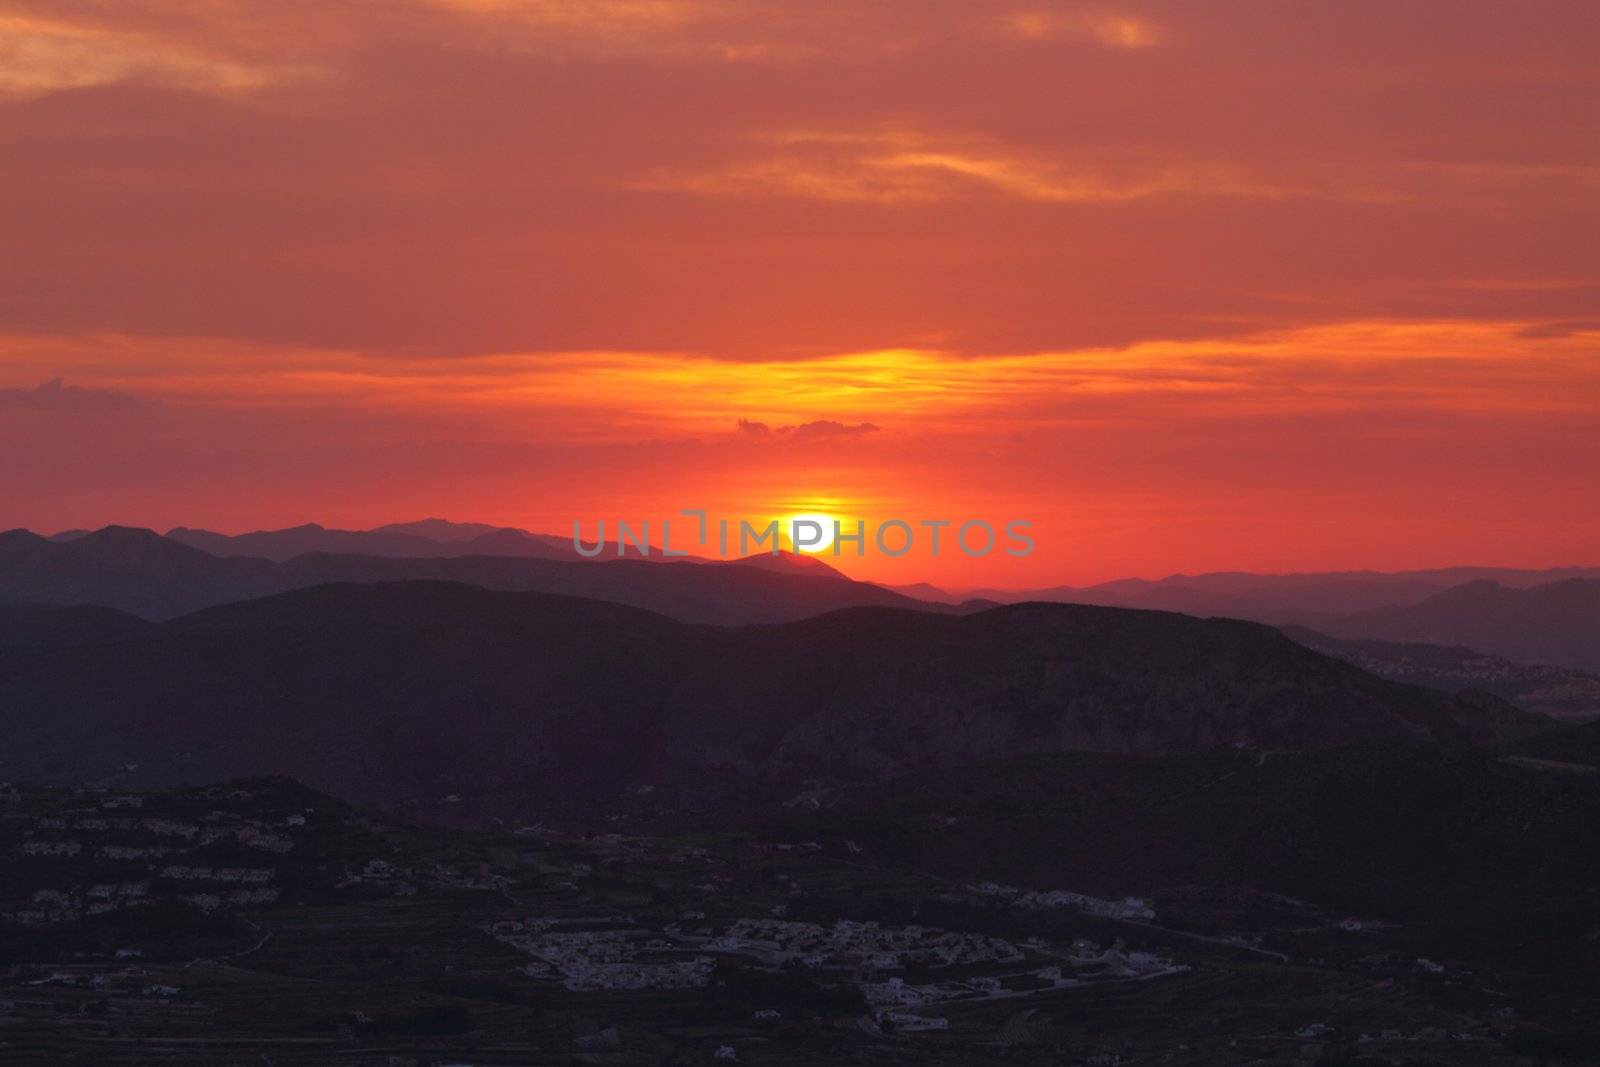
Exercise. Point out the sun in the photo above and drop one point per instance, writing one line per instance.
(824, 521)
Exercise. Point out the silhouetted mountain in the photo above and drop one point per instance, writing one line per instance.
(516, 543)
(874, 692)
(442, 530)
(41, 626)
(132, 570)
(480, 539)
(400, 691)
(1285, 597)
(785, 562)
(1557, 691)
(69, 535)
(934, 595)
(18, 544)
(1528, 616)
(1557, 624)
(158, 578)
(683, 590)
(281, 545)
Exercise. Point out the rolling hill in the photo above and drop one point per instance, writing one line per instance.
(155, 577)
(47, 626)
(132, 570)
(405, 691)
(1558, 623)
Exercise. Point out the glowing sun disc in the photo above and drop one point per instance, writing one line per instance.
(824, 521)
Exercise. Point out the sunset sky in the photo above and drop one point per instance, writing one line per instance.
(1192, 286)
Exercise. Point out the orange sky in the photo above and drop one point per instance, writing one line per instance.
(1190, 286)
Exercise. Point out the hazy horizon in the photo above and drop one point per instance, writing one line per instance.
(872, 566)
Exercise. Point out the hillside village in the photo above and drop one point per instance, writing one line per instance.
(157, 917)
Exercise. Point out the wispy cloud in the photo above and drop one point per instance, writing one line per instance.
(1112, 30)
(757, 178)
(1509, 367)
(40, 55)
(905, 166)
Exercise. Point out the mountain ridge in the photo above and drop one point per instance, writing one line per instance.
(396, 692)
(158, 578)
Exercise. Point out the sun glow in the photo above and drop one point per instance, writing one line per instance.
(824, 521)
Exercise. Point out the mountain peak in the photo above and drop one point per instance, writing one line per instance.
(19, 542)
(788, 562)
(115, 534)
(128, 542)
(437, 529)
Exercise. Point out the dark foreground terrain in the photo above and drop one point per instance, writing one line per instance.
(261, 922)
(498, 827)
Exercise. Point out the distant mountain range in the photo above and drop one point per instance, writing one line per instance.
(1560, 692)
(1557, 623)
(443, 539)
(402, 691)
(1237, 594)
(157, 577)
(1532, 617)
(429, 538)
(1277, 597)
(1536, 618)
